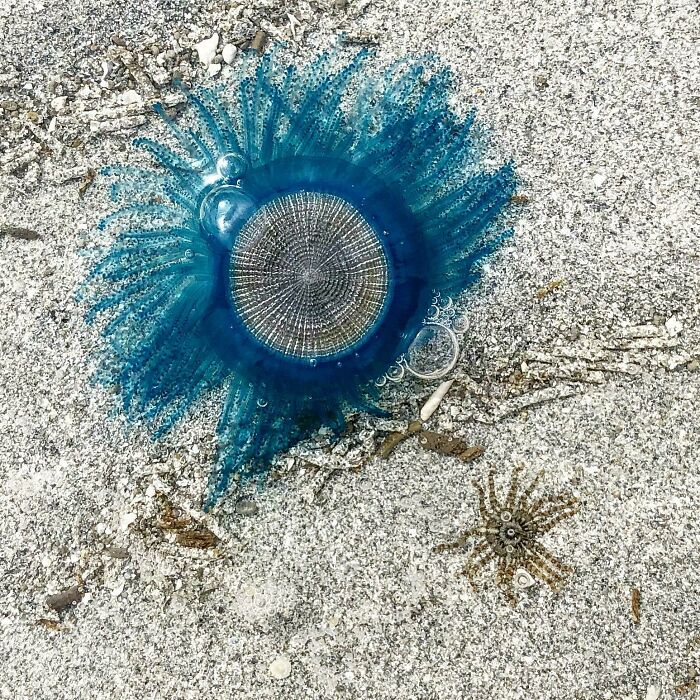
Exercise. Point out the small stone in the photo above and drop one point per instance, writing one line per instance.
(541, 81)
(599, 179)
(574, 333)
(117, 552)
(130, 97)
(280, 668)
(9, 105)
(246, 507)
(228, 53)
(673, 327)
(259, 41)
(118, 41)
(24, 234)
(206, 49)
(214, 69)
(693, 365)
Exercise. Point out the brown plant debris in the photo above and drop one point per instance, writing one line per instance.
(188, 532)
(548, 288)
(635, 605)
(49, 624)
(197, 539)
(394, 439)
(519, 199)
(87, 180)
(449, 446)
(689, 683)
(510, 531)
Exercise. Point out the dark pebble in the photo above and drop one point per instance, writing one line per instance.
(59, 601)
(25, 234)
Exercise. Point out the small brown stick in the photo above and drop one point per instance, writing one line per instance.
(394, 439)
(635, 605)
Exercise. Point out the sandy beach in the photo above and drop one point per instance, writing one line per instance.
(582, 359)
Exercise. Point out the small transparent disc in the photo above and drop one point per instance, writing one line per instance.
(309, 276)
(433, 353)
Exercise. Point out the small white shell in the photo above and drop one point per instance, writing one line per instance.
(523, 579)
(435, 398)
(228, 53)
(280, 668)
(206, 49)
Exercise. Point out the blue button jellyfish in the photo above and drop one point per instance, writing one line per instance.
(289, 246)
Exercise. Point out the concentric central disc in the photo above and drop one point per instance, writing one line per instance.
(308, 275)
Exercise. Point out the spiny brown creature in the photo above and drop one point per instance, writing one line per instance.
(510, 533)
